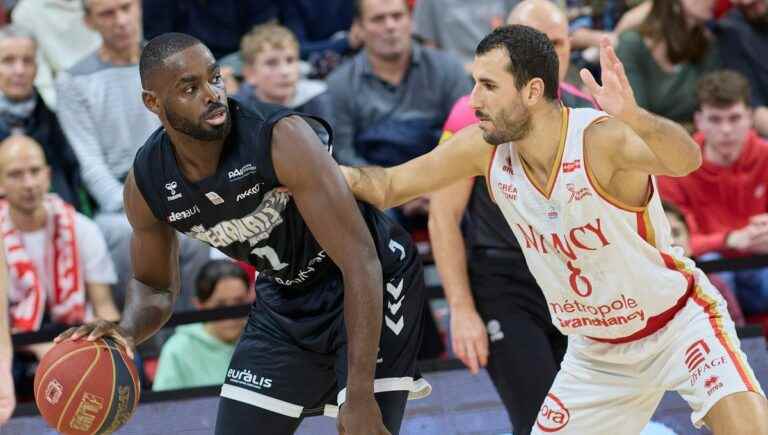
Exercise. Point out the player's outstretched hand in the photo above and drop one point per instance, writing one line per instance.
(615, 96)
(7, 395)
(469, 338)
(97, 329)
(361, 417)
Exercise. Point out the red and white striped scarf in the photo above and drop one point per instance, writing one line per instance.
(28, 298)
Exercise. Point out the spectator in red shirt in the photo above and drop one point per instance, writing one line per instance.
(725, 200)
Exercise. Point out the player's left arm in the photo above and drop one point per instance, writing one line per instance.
(638, 140)
(306, 169)
(654, 145)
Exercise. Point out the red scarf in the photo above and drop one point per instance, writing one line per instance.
(28, 298)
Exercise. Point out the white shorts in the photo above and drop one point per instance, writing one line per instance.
(615, 388)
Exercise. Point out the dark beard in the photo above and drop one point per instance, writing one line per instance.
(510, 132)
(198, 131)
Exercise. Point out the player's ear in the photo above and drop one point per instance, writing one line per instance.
(151, 101)
(533, 91)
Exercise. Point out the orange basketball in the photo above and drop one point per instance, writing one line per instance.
(86, 387)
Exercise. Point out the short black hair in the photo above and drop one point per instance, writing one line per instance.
(213, 272)
(160, 48)
(531, 54)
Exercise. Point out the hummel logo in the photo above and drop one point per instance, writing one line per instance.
(394, 307)
(395, 291)
(171, 187)
(396, 327)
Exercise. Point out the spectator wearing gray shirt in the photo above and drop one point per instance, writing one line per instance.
(104, 118)
(390, 101)
(392, 98)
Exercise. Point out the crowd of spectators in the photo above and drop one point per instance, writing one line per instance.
(386, 74)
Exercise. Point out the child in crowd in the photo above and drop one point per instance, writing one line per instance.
(272, 73)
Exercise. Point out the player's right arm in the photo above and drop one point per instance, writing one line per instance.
(463, 156)
(156, 284)
(468, 336)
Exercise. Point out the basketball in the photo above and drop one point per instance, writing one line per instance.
(86, 387)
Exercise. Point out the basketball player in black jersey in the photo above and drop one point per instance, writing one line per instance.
(337, 317)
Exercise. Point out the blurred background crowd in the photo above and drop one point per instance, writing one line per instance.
(387, 74)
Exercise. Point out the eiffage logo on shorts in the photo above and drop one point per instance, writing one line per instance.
(694, 355)
(553, 415)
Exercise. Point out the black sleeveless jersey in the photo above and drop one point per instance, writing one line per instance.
(239, 210)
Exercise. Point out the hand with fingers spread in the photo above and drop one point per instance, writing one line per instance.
(615, 95)
(97, 329)
(469, 338)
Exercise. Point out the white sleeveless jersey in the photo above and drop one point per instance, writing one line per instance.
(607, 270)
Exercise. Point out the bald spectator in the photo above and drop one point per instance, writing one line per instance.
(496, 307)
(22, 110)
(45, 238)
(105, 120)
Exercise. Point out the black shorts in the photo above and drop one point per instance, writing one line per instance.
(297, 367)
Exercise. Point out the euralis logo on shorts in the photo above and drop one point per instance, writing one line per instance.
(248, 379)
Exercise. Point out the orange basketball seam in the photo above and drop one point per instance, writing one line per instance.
(112, 395)
(77, 387)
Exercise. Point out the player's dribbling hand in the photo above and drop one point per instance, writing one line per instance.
(97, 329)
(361, 417)
(615, 96)
(469, 338)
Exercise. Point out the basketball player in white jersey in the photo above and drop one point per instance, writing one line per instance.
(576, 186)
